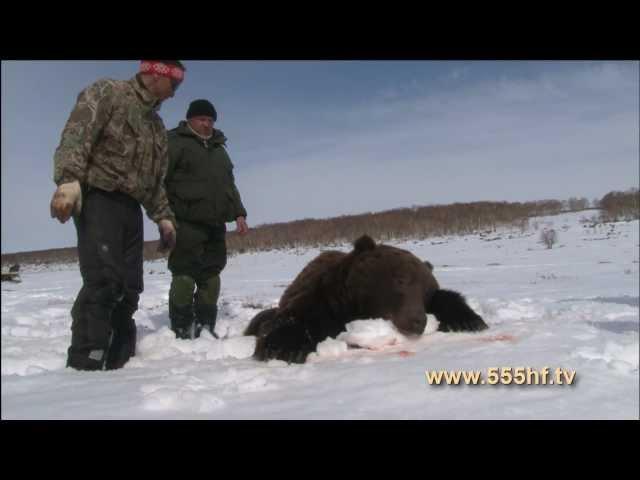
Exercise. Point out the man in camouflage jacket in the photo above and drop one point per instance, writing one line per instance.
(112, 158)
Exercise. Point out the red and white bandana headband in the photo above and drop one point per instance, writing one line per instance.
(171, 71)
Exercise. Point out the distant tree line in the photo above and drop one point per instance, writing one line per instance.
(41, 257)
(418, 222)
(617, 206)
(576, 204)
(401, 223)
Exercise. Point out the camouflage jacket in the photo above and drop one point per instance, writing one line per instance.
(115, 140)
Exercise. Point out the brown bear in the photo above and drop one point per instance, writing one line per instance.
(372, 281)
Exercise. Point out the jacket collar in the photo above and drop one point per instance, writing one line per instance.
(201, 137)
(217, 137)
(147, 98)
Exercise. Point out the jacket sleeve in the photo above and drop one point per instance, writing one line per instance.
(174, 157)
(88, 118)
(238, 207)
(157, 205)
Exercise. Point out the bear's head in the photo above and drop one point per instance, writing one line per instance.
(391, 283)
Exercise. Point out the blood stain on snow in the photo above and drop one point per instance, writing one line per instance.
(498, 338)
(406, 353)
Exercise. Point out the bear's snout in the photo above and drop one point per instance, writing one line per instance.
(411, 326)
(420, 324)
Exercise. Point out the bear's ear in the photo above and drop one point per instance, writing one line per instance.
(364, 243)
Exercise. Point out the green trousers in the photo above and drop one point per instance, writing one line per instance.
(195, 263)
(200, 251)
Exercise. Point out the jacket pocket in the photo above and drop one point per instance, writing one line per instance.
(190, 191)
(114, 146)
(119, 143)
(192, 200)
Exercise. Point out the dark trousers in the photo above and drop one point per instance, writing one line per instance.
(200, 252)
(110, 250)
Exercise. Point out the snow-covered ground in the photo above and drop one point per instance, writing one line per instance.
(573, 307)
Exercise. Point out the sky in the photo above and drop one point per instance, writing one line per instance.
(317, 139)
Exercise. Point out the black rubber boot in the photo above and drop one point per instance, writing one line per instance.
(91, 329)
(123, 343)
(182, 319)
(86, 360)
(206, 316)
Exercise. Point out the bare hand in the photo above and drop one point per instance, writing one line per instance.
(167, 236)
(241, 226)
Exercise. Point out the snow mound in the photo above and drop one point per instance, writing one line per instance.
(622, 358)
(331, 348)
(32, 364)
(235, 347)
(163, 344)
(188, 397)
(371, 334)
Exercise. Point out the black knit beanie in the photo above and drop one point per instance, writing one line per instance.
(202, 107)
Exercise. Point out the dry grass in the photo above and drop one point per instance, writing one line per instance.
(401, 224)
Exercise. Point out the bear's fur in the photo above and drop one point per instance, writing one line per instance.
(372, 281)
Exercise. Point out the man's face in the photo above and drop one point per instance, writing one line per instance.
(202, 124)
(166, 87)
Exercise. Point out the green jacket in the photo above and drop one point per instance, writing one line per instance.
(200, 182)
(115, 140)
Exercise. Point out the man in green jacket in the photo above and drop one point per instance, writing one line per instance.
(203, 195)
(112, 158)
